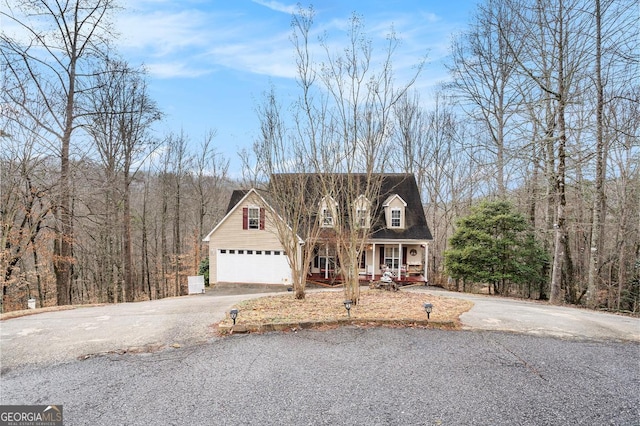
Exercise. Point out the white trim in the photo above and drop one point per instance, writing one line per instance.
(400, 261)
(391, 198)
(426, 263)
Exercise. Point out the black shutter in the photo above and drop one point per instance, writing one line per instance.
(316, 260)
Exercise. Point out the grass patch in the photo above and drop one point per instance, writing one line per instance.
(327, 306)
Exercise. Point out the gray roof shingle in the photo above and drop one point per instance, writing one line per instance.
(404, 185)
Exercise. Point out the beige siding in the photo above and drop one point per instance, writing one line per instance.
(230, 235)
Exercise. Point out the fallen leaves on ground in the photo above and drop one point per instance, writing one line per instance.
(373, 305)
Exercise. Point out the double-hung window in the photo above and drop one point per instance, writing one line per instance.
(327, 217)
(396, 216)
(254, 218)
(361, 218)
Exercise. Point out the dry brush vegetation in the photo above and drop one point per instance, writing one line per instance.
(327, 307)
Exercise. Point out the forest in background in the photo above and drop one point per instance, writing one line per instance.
(542, 109)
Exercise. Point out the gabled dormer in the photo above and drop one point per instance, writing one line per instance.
(362, 212)
(328, 212)
(395, 212)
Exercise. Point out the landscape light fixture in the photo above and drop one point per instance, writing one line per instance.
(428, 307)
(347, 306)
(233, 314)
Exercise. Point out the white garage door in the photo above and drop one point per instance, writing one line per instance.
(253, 266)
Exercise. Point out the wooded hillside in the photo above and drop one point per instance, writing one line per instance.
(542, 110)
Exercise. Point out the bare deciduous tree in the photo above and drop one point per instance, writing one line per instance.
(55, 61)
(25, 206)
(207, 180)
(484, 81)
(343, 124)
(120, 113)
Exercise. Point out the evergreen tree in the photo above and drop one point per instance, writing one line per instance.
(495, 245)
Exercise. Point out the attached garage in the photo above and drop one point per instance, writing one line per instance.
(253, 266)
(244, 247)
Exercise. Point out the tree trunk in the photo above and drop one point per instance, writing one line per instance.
(560, 239)
(63, 249)
(127, 261)
(599, 199)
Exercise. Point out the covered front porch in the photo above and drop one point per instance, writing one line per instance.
(336, 281)
(406, 259)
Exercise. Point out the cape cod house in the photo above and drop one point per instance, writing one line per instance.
(244, 246)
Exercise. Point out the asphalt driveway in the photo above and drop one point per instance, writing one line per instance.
(513, 365)
(80, 333)
(84, 332)
(347, 376)
(538, 318)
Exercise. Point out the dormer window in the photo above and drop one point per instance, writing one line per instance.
(362, 209)
(328, 212)
(394, 211)
(327, 218)
(396, 218)
(361, 218)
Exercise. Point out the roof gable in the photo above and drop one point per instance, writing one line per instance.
(237, 199)
(392, 198)
(404, 187)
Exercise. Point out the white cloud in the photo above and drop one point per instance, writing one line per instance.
(179, 42)
(163, 32)
(191, 43)
(175, 70)
(277, 6)
(271, 56)
(431, 17)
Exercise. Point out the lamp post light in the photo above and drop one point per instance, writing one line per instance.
(428, 307)
(347, 306)
(233, 314)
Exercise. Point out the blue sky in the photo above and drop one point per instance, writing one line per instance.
(210, 61)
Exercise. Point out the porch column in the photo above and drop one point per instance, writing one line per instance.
(400, 260)
(373, 261)
(326, 261)
(426, 262)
